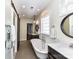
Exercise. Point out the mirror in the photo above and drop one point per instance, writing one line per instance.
(36, 28)
(67, 25)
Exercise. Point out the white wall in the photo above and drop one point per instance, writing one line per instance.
(16, 32)
(57, 10)
(23, 28)
(8, 12)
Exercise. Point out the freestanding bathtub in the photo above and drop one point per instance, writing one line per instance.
(40, 49)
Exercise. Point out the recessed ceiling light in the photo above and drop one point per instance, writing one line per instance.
(23, 6)
(38, 9)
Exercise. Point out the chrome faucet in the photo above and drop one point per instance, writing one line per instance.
(44, 40)
(43, 43)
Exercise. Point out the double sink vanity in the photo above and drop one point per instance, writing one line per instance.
(60, 49)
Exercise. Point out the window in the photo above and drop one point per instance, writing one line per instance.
(45, 25)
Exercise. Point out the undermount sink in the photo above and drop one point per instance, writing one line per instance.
(71, 45)
(60, 43)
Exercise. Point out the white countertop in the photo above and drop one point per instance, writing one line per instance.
(63, 48)
(34, 33)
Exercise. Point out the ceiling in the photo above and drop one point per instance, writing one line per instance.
(29, 8)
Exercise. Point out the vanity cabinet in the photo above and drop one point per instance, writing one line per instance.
(50, 56)
(53, 54)
(30, 36)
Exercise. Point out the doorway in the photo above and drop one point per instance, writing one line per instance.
(29, 29)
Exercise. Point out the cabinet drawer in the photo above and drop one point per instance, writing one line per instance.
(52, 51)
(50, 56)
(55, 54)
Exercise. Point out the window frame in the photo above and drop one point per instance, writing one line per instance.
(43, 31)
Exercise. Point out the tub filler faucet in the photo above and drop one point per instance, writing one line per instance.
(43, 43)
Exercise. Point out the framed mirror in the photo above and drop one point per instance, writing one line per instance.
(67, 25)
(36, 28)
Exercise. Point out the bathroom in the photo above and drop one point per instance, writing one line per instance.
(39, 33)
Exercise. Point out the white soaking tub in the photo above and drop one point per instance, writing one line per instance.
(40, 48)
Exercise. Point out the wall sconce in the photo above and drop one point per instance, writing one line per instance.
(34, 21)
(37, 22)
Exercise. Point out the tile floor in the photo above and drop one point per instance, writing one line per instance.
(25, 51)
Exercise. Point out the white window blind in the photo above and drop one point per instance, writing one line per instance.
(45, 25)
